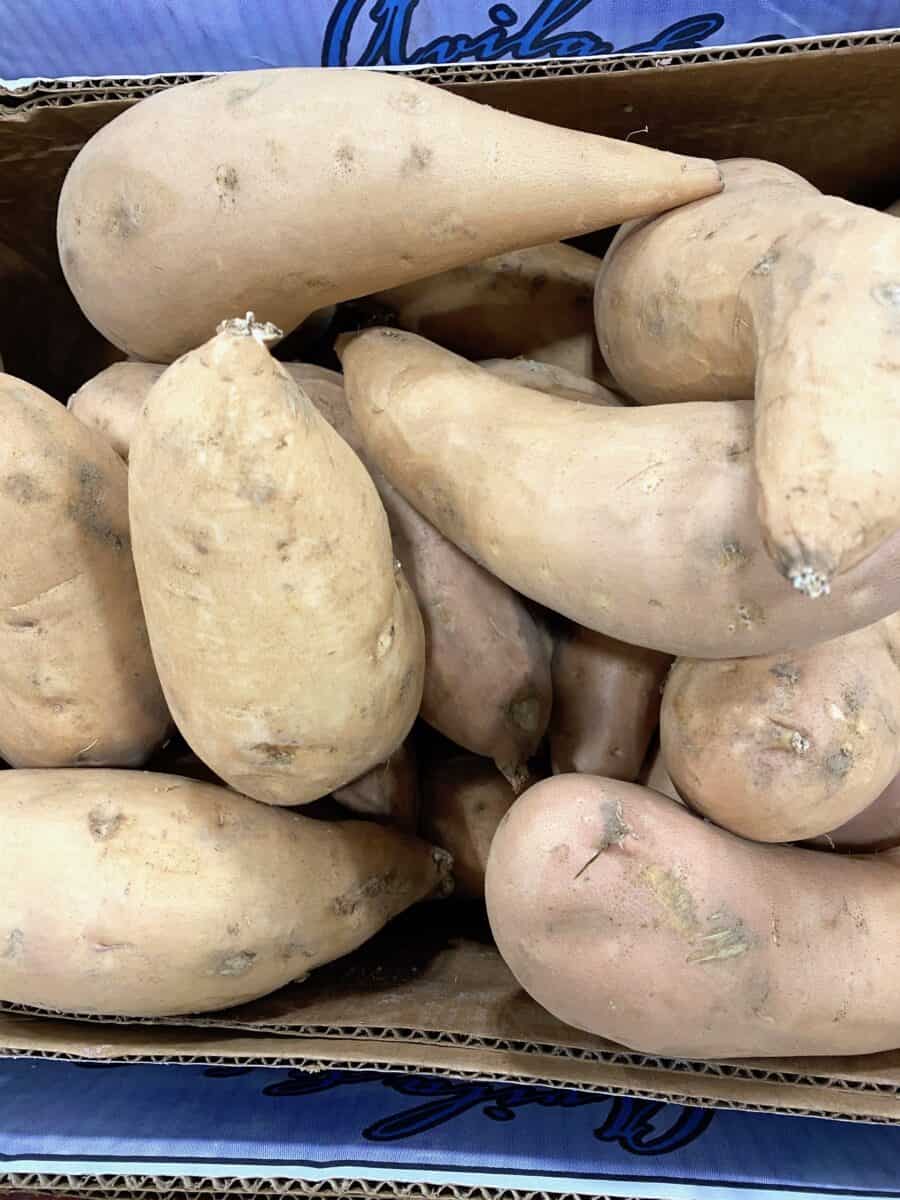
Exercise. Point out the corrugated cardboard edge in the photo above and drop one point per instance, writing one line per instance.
(188, 1187)
(59, 92)
(741, 1086)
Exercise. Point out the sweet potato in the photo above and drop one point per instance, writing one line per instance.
(388, 793)
(763, 291)
(548, 377)
(183, 209)
(639, 523)
(785, 747)
(487, 669)
(465, 800)
(537, 303)
(625, 915)
(287, 640)
(606, 698)
(134, 894)
(876, 828)
(77, 680)
(111, 402)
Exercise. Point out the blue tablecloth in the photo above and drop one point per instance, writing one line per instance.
(253, 1123)
(58, 38)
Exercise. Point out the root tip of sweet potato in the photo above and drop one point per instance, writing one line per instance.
(263, 332)
(809, 581)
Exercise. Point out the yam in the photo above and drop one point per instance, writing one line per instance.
(132, 894)
(111, 402)
(775, 292)
(287, 640)
(786, 747)
(184, 209)
(639, 523)
(626, 916)
(77, 680)
(388, 793)
(465, 800)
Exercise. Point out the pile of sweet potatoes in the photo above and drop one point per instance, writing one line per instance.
(571, 584)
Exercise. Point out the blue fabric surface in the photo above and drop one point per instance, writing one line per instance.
(255, 1122)
(56, 38)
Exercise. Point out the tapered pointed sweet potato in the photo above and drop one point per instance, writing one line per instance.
(285, 191)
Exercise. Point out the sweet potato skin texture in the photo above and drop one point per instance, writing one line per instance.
(288, 642)
(102, 912)
(465, 800)
(77, 680)
(761, 291)
(606, 700)
(625, 915)
(111, 402)
(785, 747)
(182, 211)
(618, 518)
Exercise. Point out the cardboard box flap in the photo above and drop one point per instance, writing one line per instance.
(431, 985)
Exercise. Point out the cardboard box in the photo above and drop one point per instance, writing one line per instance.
(429, 994)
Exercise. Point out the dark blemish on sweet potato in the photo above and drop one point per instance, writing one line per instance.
(524, 713)
(227, 186)
(613, 833)
(887, 294)
(124, 220)
(104, 824)
(234, 930)
(853, 700)
(22, 623)
(418, 159)
(236, 964)
(732, 556)
(655, 603)
(87, 509)
(537, 283)
(14, 946)
(24, 488)
(735, 450)
(345, 159)
(709, 236)
(276, 752)
(293, 948)
(200, 546)
(283, 546)
(840, 762)
(240, 95)
(786, 671)
(405, 683)
(373, 888)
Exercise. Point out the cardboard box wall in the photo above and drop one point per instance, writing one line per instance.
(431, 993)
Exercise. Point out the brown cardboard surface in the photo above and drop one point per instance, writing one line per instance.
(430, 995)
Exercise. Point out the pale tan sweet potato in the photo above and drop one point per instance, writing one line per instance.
(876, 828)
(388, 793)
(487, 668)
(465, 799)
(786, 747)
(625, 915)
(77, 680)
(777, 292)
(537, 303)
(639, 523)
(548, 377)
(111, 402)
(287, 640)
(606, 698)
(183, 209)
(134, 894)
